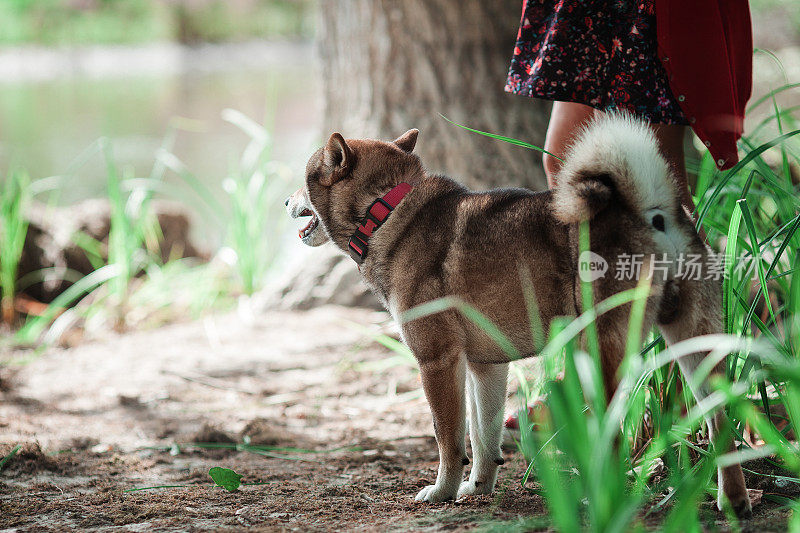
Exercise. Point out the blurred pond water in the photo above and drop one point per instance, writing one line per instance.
(56, 103)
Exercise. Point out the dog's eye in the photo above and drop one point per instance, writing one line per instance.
(658, 222)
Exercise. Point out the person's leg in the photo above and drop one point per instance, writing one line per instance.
(670, 139)
(566, 118)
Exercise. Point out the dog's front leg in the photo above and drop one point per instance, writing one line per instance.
(443, 380)
(486, 390)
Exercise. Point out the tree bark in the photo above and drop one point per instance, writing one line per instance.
(391, 65)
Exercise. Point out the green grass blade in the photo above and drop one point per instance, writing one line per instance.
(729, 281)
(10, 455)
(14, 200)
(751, 230)
(741, 164)
(770, 95)
(509, 140)
(34, 327)
(451, 303)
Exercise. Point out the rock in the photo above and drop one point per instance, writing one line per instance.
(210, 434)
(261, 431)
(51, 243)
(315, 277)
(175, 229)
(28, 459)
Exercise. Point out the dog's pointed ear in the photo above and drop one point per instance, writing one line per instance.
(337, 159)
(407, 141)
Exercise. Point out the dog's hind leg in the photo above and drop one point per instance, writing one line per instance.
(443, 380)
(730, 479)
(612, 335)
(486, 390)
(700, 314)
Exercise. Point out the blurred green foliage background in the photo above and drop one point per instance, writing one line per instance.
(57, 22)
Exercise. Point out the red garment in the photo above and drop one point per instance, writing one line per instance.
(706, 47)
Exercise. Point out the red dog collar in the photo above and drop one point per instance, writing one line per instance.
(377, 213)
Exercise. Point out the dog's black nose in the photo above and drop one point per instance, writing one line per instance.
(286, 203)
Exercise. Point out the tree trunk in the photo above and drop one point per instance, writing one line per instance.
(390, 65)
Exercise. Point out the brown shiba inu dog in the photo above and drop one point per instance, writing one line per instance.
(418, 237)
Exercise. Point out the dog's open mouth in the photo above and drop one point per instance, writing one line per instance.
(312, 224)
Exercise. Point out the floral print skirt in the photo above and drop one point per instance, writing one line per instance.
(601, 53)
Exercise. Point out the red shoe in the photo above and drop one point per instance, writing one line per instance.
(512, 422)
(535, 411)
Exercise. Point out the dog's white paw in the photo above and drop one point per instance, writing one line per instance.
(435, 493)
(470, 487)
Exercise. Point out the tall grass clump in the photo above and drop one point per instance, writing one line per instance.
(14, 200)
(131, 279)
(133, 232)
(754, 208)
(132, 245)
(750, 214)
(579, 449)
(645, 458)
(253, 189)
(252, 194)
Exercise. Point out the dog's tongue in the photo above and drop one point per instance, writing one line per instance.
(310, 222)
(310, 226)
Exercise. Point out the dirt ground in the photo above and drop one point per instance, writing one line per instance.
(90, 417)
(116, 414)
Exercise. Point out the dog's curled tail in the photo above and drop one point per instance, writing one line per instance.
(615, 158)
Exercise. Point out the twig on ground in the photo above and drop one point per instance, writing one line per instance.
(210, 382)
